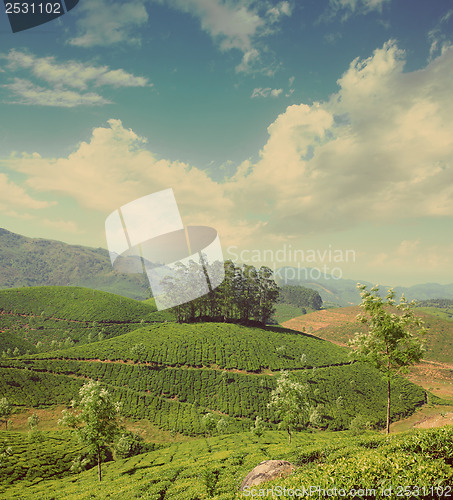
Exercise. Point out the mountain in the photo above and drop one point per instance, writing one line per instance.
(36, 262)
(339, 292)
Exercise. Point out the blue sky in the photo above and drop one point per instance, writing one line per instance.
(311, 124)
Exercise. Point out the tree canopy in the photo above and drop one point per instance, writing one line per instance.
(246, 294)
(97, 422)
(393, 340)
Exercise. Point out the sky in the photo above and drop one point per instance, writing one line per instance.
(311, 133)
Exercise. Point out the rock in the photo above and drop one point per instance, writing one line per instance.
(266, 471)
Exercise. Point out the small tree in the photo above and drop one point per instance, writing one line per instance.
(258, 428)
(33, 422)
(222, 426)
(209, 423)
(392, 342)
(5, 411)
(97, 422)
(289, 404)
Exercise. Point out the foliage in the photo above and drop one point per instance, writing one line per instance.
(227, 345)
(392, 341)
(258, 427)
(29, 262)
(290, 405)
(128, 445)
(300, 296)
(40, 319)
(209, 423)
(5, 411)
(359, 425)
(97, 422)
(30, 461)
(186, 470)
(246, 294)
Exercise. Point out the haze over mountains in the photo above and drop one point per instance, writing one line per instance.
(35, 262)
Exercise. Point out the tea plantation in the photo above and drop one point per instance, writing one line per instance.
(173, 374)
(214, 469)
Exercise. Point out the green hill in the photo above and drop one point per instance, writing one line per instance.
(340, 325)
(37, 262)
(199, 469)
(173, 373)
(44, 318)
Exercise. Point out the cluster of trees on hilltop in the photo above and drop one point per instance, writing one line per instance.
(300, 296)
(441, 303)
(246, 295)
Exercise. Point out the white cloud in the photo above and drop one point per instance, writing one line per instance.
(349, 7)
(71, 73)
(65, 81)
(266, 92)
(103, 23)
(15, 197)
(379, 150)
(237, 24)
(438, 38)
(28, 93)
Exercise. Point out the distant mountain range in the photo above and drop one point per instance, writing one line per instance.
(36, 262)
(343, 292)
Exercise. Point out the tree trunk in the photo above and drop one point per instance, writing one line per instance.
(6, 424)
(99, 466)
(388, 404)
(289, 439)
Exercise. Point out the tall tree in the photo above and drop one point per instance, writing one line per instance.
(97, 422)
(393, 340)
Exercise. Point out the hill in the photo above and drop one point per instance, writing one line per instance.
(35, 262)
(434, 373)
(201, 469)
(294, 301)
(339, 326)
(173, 373)
(44, 318)
(340, 292)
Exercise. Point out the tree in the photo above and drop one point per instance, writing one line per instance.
(33, 423)
(97, 422)
(209, 423)
(393, 340)
(128, 445)
(290, 405)
(258, 428)
(222, 425)
(5, 411)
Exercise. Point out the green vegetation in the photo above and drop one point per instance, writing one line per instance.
(47, 318)
(392, 341)
(31, 461)
(245, 295)
(296, 301)
(290, 406)
(300, 297)
(29, 262)
(229, 346)
(210, 380)
(5, 411)
(96, 424)
(201, 470)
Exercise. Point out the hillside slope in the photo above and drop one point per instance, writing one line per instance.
(173, 373)
(339, 326)
(36, 262)
(52, 315)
